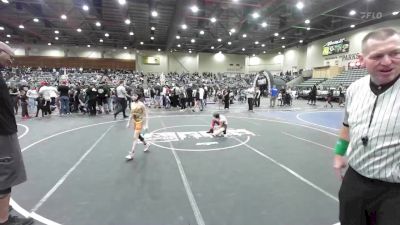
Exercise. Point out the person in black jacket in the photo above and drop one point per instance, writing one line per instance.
(91, 96)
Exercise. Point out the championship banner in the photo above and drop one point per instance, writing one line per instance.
(151, 60)
(336, 47)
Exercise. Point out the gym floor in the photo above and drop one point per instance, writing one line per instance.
(274, 167)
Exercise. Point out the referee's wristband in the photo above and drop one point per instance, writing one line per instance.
(341, 147)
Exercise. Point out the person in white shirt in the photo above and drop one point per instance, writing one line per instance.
(32, 95)
(222, 123)
(47, 93)
(121, 99)
(201, 98)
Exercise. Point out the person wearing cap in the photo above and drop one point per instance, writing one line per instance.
(12, 169)
(139, 118)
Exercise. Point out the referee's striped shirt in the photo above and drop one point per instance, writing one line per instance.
(372, 114)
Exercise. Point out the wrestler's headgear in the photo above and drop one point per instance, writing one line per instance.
(216, 115)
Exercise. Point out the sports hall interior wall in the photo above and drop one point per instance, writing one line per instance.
(73, 62)
(305, 56)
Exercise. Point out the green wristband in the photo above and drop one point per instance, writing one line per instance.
(341, 147)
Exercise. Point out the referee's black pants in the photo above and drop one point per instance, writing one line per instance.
(122, 106)
(365, 201)
(251, 103)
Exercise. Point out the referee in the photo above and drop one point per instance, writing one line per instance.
(371, 136)
(12, 170)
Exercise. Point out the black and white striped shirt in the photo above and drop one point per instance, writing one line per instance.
(374, 116)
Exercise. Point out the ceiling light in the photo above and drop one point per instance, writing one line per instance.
(190, 51)
(283, 38)
(184, 26)
(79, 30)
(98, 24)
(229, 43)
(154, 13)
(21, 26)
(263, 45)
(352, 12)
(300, 5)
(36, 20)
(159, 50)
(131, 33)
(264, 52)
(213, 20)
(283, 46)
(301, 41)
(8, 35)
(63, 16)
(106, 35)
(85, 7)
(178, 37)
(152, 28)
(193, 41)
(233, 30)
(152, 38)
(5, 1)
(235, 1)
(56, 32)
(201, 32)
(276, 34)
(49, 44)
(256, 42)
(1, 28)
(244, 35)
(212, 47)
(88, 46)
(352, 26)
(127, 21)
(179, 45)
(279, 53)
(219, 40)
(308, 28)
(56, 38)
(307, 21)
(255, 15)
(254, 55)
(125, 47)
(7, 42)
(101, 40)
(395, 13)
(264, 24)
(194, 9)
(122, 2)
(243, 49)
(141, 43)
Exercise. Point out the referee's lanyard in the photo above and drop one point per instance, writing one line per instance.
(365, 138)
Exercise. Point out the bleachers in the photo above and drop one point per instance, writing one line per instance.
(310, 83)
(345, 78)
